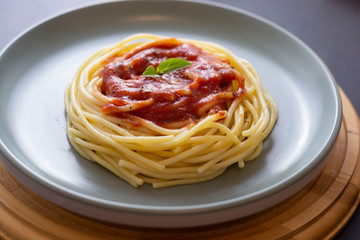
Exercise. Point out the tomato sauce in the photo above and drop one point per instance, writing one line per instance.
(187, 94)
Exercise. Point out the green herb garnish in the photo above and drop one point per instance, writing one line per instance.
(167, 66)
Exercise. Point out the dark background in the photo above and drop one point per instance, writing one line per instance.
(330, 27)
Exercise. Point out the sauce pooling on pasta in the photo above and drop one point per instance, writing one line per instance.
(175, 99)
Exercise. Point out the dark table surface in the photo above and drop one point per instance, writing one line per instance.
(330, 27)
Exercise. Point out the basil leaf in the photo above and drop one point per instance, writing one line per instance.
(171, 65)
(167, 66)
(150, 72)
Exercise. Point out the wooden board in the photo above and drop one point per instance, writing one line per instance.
(319, 211)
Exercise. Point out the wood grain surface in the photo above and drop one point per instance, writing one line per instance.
(318, 211)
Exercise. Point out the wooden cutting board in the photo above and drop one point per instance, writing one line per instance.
(319, 211)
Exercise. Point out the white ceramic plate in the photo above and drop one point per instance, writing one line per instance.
(35, 68)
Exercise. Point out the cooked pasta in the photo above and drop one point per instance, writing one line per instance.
(182, 127)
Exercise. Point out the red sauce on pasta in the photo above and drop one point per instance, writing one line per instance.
(185, 95)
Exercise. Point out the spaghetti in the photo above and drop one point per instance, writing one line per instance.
(183, 127)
